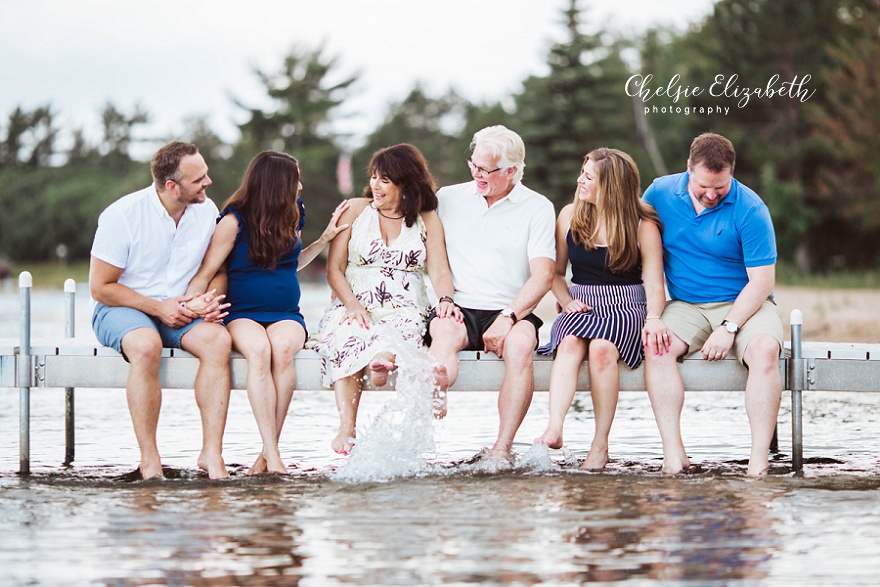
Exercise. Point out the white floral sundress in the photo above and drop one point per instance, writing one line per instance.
(389, 281)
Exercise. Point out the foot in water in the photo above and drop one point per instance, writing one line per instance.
(213, 466)
(674, 466)
(551, 437)
(596, 459)
(261, 465)
(344, 441)
(490, 461)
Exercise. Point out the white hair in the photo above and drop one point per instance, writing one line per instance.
(504, 144)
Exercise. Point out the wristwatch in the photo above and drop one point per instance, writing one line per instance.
(732, 327)
(508, 313)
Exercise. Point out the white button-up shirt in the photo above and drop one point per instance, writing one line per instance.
(490, 248)
(158, 258)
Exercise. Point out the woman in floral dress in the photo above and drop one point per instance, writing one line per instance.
(377, 274)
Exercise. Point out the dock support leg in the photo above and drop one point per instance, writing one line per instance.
(25, 282)
(69, 404)
(796, 380)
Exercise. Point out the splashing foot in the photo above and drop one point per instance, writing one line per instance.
(380, 369)
(552, 438)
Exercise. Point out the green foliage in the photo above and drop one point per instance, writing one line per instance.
(51, 206)
(579, 106)
(434, 125)
(791, 217)
(30, 138)
(814, 161)
(304, 93)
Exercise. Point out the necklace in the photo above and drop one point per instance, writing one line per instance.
(386, 216)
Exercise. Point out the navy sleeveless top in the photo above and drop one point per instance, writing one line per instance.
(590, 267)
(260, 294)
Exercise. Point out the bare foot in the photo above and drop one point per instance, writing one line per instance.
(213, 465)
(259, 466)
(552, 438)
(438, 404)
(500, 454)
(441, 384)
(151, 471)
(758, 470)
(344, 441)
(596, 459)
(441, 377)
(274, 464)
(674, 466)
(379, 371)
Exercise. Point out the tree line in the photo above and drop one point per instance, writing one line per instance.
(815, 161)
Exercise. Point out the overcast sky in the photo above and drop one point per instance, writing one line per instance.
(179, 58)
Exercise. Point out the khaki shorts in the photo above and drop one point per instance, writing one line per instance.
(693, 323)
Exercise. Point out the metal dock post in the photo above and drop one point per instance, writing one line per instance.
(69, 411)
(796, 377)
(25, 282)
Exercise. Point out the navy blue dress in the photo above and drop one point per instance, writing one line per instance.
(263, 295)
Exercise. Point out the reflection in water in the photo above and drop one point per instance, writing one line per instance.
(559, 528)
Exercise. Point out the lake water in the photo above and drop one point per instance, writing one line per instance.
(447, 523)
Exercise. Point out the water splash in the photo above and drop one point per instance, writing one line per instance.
(395, 444)
(536, 459)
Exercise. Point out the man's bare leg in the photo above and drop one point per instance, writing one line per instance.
(763, 396)
(517, 387)
(143, 348)
(666, 392)
(348, 398)
(563, 383)
(447, 338)
(212, 344)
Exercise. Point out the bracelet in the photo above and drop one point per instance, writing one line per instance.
(446, 299)
(652, 318)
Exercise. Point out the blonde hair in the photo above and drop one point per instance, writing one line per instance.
(618, 203)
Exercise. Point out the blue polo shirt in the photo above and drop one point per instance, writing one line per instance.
(705, 255)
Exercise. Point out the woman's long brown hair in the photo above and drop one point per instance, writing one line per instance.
(266, 200)
(618, 202)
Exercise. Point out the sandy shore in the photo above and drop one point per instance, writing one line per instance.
(830, 315)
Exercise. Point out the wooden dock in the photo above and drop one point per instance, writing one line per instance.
(73, 363)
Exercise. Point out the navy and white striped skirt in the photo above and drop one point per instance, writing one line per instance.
(618, 315)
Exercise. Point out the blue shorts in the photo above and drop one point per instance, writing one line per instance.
(111, 323)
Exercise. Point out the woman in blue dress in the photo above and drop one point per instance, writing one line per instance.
(258, 241)
(612, 240)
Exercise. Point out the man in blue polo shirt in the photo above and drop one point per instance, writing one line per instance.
(719, 255)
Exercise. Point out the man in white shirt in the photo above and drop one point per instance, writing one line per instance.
(501, 247)
(148, 246)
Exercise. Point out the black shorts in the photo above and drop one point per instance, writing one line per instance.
(477, 322)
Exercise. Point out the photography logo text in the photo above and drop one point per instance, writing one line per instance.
(724, 88)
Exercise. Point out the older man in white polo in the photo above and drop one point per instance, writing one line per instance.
(501, 247)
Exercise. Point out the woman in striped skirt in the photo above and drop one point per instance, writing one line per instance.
(612, 309)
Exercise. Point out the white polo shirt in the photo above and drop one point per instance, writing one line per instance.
(158, 259)
(490, 248)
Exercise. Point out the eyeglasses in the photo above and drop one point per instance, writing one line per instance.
(481, 170)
